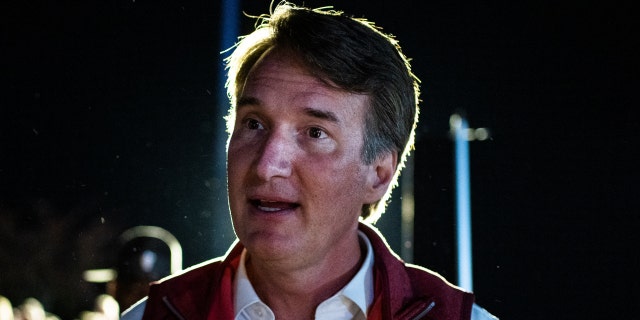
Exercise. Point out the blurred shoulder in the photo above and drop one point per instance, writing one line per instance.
(479, 313)
(136, 311)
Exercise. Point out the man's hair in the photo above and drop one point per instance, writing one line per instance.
(350, 53)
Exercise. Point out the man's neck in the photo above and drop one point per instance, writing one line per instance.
(295, 293)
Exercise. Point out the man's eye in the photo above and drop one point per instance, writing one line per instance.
(253, 124)
(316, 133)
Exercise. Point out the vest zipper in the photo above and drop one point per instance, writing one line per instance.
(425, 311)
(172, 308)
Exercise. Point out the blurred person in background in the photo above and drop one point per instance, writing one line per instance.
(145, 254)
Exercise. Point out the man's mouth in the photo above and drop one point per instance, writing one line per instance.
(273, 206)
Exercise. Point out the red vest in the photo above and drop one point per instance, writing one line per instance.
(402, 291)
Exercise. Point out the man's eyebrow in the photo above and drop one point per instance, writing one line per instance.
(315, 113)
(322, 114)
(243, 101)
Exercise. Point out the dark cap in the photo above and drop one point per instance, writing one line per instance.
(144, 253)
(144, 258)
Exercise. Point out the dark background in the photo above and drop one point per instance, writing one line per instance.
(110, 113)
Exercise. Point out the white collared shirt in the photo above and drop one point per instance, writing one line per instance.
(351, 302)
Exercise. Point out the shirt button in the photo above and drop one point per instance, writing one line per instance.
(259, 312)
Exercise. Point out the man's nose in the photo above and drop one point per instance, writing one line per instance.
(275, 157)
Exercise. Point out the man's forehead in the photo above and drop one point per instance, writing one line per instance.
(280, 63)
(279, 66)
(280, 72)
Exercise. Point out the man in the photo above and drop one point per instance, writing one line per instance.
(323, 112)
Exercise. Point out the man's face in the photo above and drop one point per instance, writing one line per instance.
(295, 172)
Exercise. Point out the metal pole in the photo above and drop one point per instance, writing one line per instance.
(222, 229)
(460, 131)
(408, 211)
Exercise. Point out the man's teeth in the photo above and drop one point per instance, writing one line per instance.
(273, 206)
(270, 209)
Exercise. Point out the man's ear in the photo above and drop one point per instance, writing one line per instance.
(382, 172)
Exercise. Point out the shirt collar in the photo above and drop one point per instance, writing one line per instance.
(244, 294)
(359, 289)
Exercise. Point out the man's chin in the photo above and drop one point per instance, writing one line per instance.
(271, 247)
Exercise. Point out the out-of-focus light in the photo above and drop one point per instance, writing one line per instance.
(6, 309)
(108, 307)
(455, 122)
(481, 134)
(99, 275)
